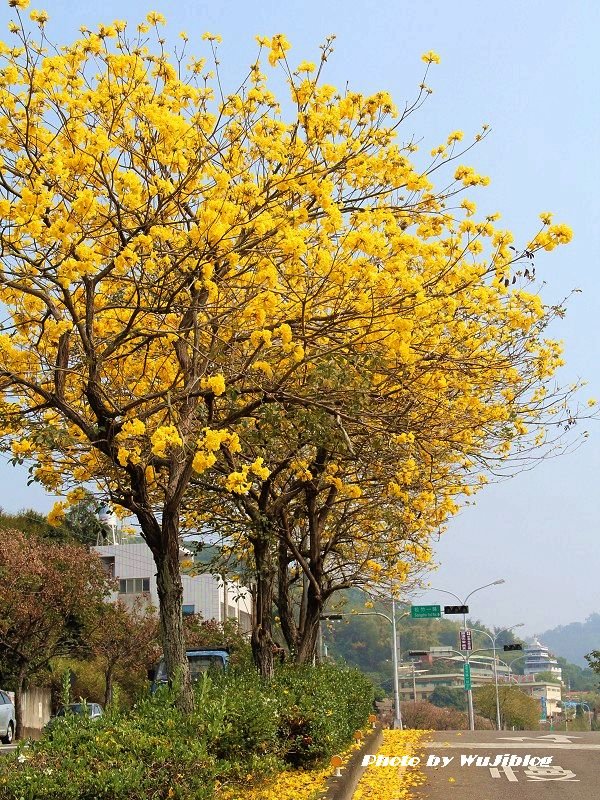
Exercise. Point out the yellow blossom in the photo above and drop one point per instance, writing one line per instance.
(164, 437)
(216, 384)
(154, 18)
(40, 17)
(212, 37)
(57, 513)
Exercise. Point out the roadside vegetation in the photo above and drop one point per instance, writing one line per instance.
(242, 727)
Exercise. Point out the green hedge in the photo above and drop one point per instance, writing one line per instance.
(241, 725)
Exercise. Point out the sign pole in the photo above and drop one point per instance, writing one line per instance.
(397, 713)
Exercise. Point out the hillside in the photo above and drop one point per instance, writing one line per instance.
(573, 641)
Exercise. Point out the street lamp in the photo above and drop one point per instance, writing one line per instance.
(493, 640)
(465, 659)
(511, 675)
(392, 620)
(464, 603)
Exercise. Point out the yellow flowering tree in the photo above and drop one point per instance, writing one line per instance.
(181, 268)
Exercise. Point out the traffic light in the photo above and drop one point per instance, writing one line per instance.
(456, 609)
(516, 646)
(335, 617)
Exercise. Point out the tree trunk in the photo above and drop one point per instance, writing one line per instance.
(309, 633)
(170, 595)
(19, 702)
(108, 689)
(262, 632)
(285, 607)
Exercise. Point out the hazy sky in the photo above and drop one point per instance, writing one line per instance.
(530, 70)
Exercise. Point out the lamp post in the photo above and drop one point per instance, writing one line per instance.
(493, 639)
(392, 620)
(464, 603)
(465, 660)
(511, 675)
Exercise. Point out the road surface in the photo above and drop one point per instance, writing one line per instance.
(571, 770)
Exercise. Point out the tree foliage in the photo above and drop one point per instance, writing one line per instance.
(278, 311)
(49, 594)
(124, 639)
(448, 697)
(516, 708)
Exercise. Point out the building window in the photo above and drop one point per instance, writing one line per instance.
(187, 610)
(134, 585)
(108, 563)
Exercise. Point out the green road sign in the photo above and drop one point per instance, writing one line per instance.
(425, 612)
(467, 675)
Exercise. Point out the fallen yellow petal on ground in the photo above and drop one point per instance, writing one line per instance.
(392, 783)
(293, 784)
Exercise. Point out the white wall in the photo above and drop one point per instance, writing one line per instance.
(205, 592)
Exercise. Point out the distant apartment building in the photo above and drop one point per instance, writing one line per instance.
(131, 564)
(548, 694)
(419, 685)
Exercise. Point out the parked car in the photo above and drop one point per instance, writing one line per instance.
(7, 719)
(200, 661)
(92, 710)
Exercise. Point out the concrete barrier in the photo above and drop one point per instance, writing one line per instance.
(342, 788)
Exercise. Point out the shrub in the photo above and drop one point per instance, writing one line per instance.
(427, 716)
(241, 725)
(321, 709)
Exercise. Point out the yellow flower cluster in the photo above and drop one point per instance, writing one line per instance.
(215, 383)
(209, 443)
(164, 437)
(239, 482)
(469, 177)
(57, 513)
(22, 447)
(133, 427)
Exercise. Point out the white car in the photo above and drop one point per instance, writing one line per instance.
(7, 719)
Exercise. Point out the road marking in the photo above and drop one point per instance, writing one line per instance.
(513, 745)
(555, 737)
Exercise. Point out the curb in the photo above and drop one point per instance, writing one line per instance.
(342, 788)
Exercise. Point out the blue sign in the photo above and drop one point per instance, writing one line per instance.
(544, 708)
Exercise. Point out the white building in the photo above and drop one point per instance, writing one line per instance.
(132, 565)
(538, 659)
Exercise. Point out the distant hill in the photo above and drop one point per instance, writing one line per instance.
(573, 641)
